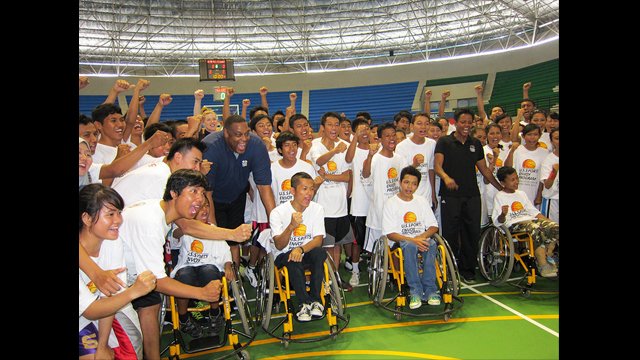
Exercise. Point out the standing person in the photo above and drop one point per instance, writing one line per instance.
(550, 178)
(495, 155)
(456, 158)
(234, 153)
(527, 160)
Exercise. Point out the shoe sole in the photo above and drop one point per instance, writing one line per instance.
(414, 307)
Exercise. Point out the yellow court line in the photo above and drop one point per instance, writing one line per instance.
(393, 354)
(381, 326)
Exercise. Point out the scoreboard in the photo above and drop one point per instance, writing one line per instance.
(216, 69)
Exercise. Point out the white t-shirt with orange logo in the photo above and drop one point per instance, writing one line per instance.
(527, 164)
(408, 218)
(408, 150)
(331, 195)
(281, 179)
(490, 190)
(520, 208)
(312, 225)
(545, 141)
(547, 165)
(195, 252)
(385, 173)
(362, 187)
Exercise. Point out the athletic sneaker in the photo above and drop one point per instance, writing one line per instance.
(415, 302)
(191, 327)
(215, 323)
(250, 274)
(434, 299)
(355, 279)
(348, 265)
(548, 270)
(316, 309)
(305, 313)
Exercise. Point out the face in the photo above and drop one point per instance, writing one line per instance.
(237, 137)
(331, 128)
(527, 106)
(107, 223)
(277, 117)
(388, 139)
(90, 134)
(539, 119)
(400, 136)
(550, 124)
(481, 135)
(373, 135)
(532, 137)
(555, 139)
(85, 159)
(264, 128)
(408, 184)
(191, 160)
(138, 128)
(420, 126)
(203, 213)
(362, 132)
(511, 182)
(434, 132)
(301, 129)
(163, 150)
(445, 125)
(303, 192)
(403, 123)
(181, 131)
(189, 202)
(112, 126)
(495, 112)
(345, 130)
(210, 122)
(289, 150)
(505, 124)
(463, 125)
(494, 136)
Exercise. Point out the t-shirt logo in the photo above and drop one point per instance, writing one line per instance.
(197, 247)
(301, 230)
(410, 217)
(498, 162)
(244, 163)
(286, 185)
(529, 164)
(392, 173)
(92, 287)
(332, 166)
(542, 145)
(516, 206)
(472, 148)
(418, 158)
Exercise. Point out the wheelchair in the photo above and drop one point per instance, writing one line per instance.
(274, 288)
(231, 333)
(386, 260)
(500, 252)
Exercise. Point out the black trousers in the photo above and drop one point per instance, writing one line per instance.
(314, 260)
(231, 215)
(461, 228)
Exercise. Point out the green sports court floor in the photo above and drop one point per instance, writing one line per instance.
(493, 323)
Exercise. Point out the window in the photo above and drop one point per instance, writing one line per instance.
(470, 102)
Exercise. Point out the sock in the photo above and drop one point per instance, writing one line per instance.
(252, 267)
(214, 312)
(183, 317)
(355, 269)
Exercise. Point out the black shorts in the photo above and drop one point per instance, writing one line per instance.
(231, 215)
(152, 298)
(359, 228)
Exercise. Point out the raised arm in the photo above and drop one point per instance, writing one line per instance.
(200, 230)
(83, 82)
(263, 97)
(427, 101)
(132, 113)
(163, 100)
(226, 109)
(197, 103)
(480, 101)
(245, 104)
(121, 164)
(443, 101)
(525, 90)
(548, 182)
(366, 166)
(328, 155)
(118, 87)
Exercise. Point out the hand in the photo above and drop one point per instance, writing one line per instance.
(538, 200)
(428, 93)
(145, 282)
(83, 82)
(122, 150)
(296, 219)
(198, 94)
(373, 148)
(194, 121)
(496, 152)
(165, 99)
(263, 90)
(229, 91)
(293, 96)
(422, 243)
(142, 84)
(230, 275)
(520, 114)
(341, 147)
(296, 255)
(246, 102)
(526, 86)
(120, 86)
(159, 138)
(108, 282)
(141, 100)
(267, 142)
(241, 233)
(490, 158)
(556, 167)
(205, 166)
(450, 183)
(306, 144)
(211, 291)
(446, 94)
(417, 160)
(505, 210)
(478, 89)
(322, 173)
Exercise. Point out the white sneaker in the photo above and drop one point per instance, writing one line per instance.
(348, 265)
(355, 279)
(316, 309)
(251, 276)
(305, 313)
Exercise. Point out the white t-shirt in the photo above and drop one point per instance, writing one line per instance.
(147, 182)
(527, 164)
(547, 165)
(281, 179)
(362, 187)
(143, 233)
(385, 173)
(94, 171)
(258, 212)
(312, 225)
(489, 190)
(408, 150)
(520, 208)
(196, 252)
(331, 195)
(505, 145)
(86, 297)
(408, 218)
(104, 154)
(545, 141)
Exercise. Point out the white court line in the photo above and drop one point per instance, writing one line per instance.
(552, 332)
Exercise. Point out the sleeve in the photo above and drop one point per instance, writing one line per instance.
(94, 171)
(276, 222)
(314, 154)
(388, 224)
(227, 254)
(440, 146)
(86, 297)
(146, 256)
(261, 164)
(547, 166)
(318, 227)
(430, 158)
(480, 151)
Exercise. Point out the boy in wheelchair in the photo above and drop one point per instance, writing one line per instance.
(298, 229)
(513, 208)
(408, 220)
(199, 263)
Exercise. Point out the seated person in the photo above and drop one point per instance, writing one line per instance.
(408, 220)
(200, 262)
(298, 230)
(513, 208)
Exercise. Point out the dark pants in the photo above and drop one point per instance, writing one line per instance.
(313, 260)
(230, 215)
(461, 229)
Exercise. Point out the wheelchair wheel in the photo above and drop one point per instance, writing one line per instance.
(495, 257)
(378, 270)
(453, 275)
(164, 299)
(338, 302)
(264, 295)
(241, 301)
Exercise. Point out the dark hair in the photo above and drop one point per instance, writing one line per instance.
(103, 110)
(505, 171)
(85, 120)
(502, 116)
(402, 132)
(436, 123)
(254, 110)
(410, 170)
(295, 179)
(553, 130)
(492, 124)
(93, 197)
(232, 119)
(279, 112)
(475, 129)
(427, 115)
(295, 117)
(182, 178)
(285, 136)
(539, 111)
(402, 114)
(279, 123)
(357, 122)
(151, 129)
(329, 114)
(463, 111)
(343, 119)
(254, 121)
(529, 100)
(501, 108)
(554, 115)
(364, 114)
(184, 145)
(174, 126)
(385, 126)
(529, 128)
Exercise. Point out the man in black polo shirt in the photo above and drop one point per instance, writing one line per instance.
(456, 158)
(234, 153)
